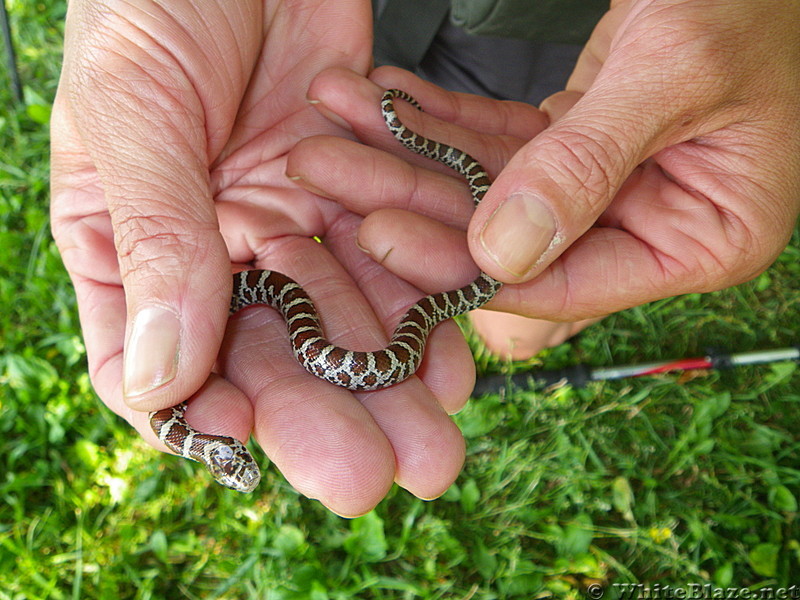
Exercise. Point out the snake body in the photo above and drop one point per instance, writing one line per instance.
(227, 459)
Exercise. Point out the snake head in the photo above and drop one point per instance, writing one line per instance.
(231, 464)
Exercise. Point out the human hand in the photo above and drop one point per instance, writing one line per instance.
(672, 164)
(171, 125)
(410, 207)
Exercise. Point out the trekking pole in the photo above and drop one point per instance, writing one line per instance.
(580, 375)
(11, 57)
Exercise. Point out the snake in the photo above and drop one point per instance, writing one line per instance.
(227, 459)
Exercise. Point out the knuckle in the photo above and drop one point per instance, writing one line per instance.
(157, 244)
(751, 251)
(580, 165)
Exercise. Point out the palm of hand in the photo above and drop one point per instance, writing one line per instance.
(214, 116)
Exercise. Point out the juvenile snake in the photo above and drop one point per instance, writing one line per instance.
(227, 459)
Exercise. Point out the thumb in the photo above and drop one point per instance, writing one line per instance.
(150, 154)
(659, 85)
(556, 186)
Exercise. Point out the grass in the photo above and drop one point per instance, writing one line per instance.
(667, 480)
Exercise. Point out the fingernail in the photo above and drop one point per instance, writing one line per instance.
(518, 233)
(152, 351)
(329, 114)
(300, 180)
(364, 249)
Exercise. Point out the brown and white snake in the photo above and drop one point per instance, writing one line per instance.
(227, 459)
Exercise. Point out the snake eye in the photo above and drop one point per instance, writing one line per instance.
(233, 467)
(223, 456)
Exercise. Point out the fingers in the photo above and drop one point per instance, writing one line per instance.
(365, 180)
(573, 214)
(174, 269)
(328, 445)
(433, 256)
(421, 250)
(320, 437)
(322, 440)
(85, 238)
(447, 368)
(490, 130)
(428, 447)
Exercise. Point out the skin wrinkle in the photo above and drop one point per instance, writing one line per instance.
(302, 56)
(272, 346)
(505, 114)
(133, 148)
(615, 263)
(173, 56)
(257, 241)
(150, 184)
(365, 277)
(131, 145)
(666, 263)
(231, 34)
(558, 273)
(752, 156)
(160, 206)
(737, 234)
(405, 187)
(492, 156)
(681, 33)
(273, 416)
(105, 48)
(98, 365)
(68, 223)
(663, 258)
(274, 247)
(238, 161)
(690, 71)
(130, 253)
(154, 255)
(630, 224)
(431, 267)
(415, 180)
(405, 177)
(448, 210)
(210, 110)
(470, 116)
(635, 277)
(595, 180)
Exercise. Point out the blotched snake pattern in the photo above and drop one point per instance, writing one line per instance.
(227, 459)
